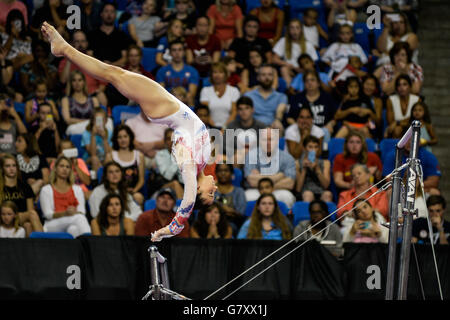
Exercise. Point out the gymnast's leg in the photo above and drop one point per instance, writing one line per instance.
(154, 100)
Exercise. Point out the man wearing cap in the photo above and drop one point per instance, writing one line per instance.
(155, 219)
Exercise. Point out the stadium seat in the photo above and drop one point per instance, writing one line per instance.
(282, 143)
(20, 108)
(386, 145)
(149, 59)
(361, 33)
(100, 174)
(300, 210)
(251, 204)
(51, 235)
(150, 204)
(237, 177)
(120, 113)
(76, 140)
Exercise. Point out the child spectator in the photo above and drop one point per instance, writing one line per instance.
(211, 223)
(306, 63)
(338, 54)
(370, 89)
(312, 29)
(356, 111)
(111, 220)
(96, 140)
(266, 222)
(40, 96)
(420, 112)
(9, 128)
(313, 176)
(33, 166)
(226, 21)
(143, 28)
(62, 202)
(9, 221)
(130, 159)
(366, 228)
(289, 48)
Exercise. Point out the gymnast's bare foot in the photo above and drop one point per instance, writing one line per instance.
(161, 233)
(57, 42)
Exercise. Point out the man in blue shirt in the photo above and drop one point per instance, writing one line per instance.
(269, 104)
(179, 74)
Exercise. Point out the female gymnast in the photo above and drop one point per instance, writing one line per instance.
(191, 143)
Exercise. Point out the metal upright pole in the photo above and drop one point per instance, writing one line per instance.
(408, 212)
(393, 226)
(155, 276)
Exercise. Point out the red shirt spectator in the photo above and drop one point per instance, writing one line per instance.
(379, 202)
(197, 49)
(227, 23)
(343, 164)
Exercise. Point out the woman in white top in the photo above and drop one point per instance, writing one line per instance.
(62, 201)
(289, 48)
(220, 97)
(113, 181)
(9, 221)
(398, 107)
(191, 147)
(131, 160)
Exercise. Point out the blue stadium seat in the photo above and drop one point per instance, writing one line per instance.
(20, 108)
(251, 204)
(386, 145)
(76, 140)
(237, 177)
(361, 33)
(300, 210)
(150, 204)
(120, 113)
(51, 235)
(149, 59)
(100, 174)
(282, 143)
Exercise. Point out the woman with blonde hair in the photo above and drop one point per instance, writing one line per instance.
(9, 221)
(267, 222)
(289, 48)
(62, 201)
(175, 31)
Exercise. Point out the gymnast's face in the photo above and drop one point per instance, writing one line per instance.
(207, 188)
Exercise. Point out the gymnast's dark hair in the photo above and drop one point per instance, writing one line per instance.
(199, 205)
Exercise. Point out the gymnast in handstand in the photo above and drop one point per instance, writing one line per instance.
(191, 145)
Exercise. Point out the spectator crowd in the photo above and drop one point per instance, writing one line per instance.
(313, 104)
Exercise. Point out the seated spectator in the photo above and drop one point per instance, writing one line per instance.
(184, 11)
(46, 132)
(361, 180)
(16, 40)
(269, 161)
(143, 28)
(266, 222)
(6, 77)
(80, 170)
(240, 47)
(321, 104)
(77, 106)
(7, 6)
(203, 112)
(289, 48)
(113, 181)
(269, 105)
(109, 43)
(249, 75)
(153, 220)
(441, 228)
(62, 202)
(296, 133)
(111, 220)
(19, 192)
(419, 112)
(355, 151)
(55, 13)
(90, 15)
(394, 32)
(168, 174)
(177, 73)
(39, 68)
(133, 64)
(9, 221)
(401, 64)
(9, 128)
(94, 87)
(234, 79)
(226, 21)
(430, 167)
(220, 97)
(32, 165)
(338, 15)
(306, 63)
(130, 159)
(149, 137)
(203, 49)
(313, 228)
(40, 96)
(398, 107)
(367, 227)
(370, 89)
(313, 175)
(337, 55)
(175, 32)
(312, 29)
(211, 223)
(271, 21)
(231, 198)
(356, 111)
